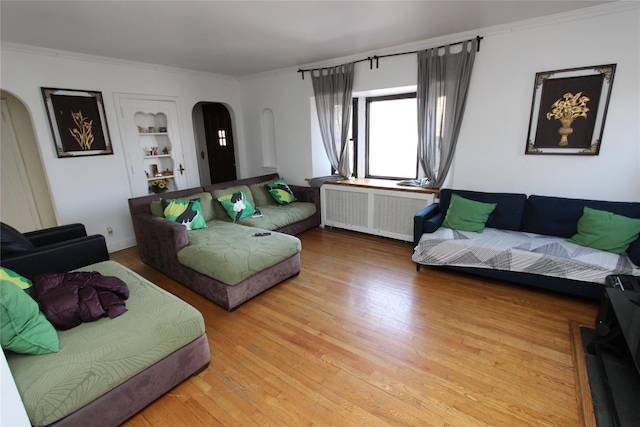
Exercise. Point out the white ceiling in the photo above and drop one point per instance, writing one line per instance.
(240, 38)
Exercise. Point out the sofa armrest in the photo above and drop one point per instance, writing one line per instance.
(159, 239)
(307, 194)
(50, 236)
(427, 220)
(634, 252)
(59, 257)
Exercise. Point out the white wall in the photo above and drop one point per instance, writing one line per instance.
(94, 190)
(492, 141)
(287, 96)
(490, 154)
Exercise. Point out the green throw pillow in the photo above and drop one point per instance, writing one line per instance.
(467, 215)
(15, 278)
(24, 328)
(186, 212)
(237, 206)
(606, 231)
(281, 192)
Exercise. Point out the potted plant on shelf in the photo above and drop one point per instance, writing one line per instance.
(158, 186)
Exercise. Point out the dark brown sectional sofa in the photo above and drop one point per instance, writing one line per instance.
(159, 241)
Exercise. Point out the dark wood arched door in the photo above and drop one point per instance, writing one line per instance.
(219, 137)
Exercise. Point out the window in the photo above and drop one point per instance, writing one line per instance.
(222, 138)
(383, 134)
(391, 137)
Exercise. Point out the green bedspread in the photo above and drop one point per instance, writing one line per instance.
(96, 357)
(231, 253)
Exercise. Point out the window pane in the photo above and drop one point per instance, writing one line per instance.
(393, 138)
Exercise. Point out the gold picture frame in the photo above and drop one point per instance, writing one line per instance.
(78, 122)
(568, 110)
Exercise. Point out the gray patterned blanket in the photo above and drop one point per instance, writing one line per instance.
(521, 252)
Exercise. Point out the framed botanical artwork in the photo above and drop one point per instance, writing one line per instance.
(78, 122)
(569, 109)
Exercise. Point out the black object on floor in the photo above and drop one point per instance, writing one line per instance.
(623, 379)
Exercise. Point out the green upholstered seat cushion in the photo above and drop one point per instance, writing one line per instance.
(96, 357)
(24, 328)
(230, 253)
(606, 231)
(280, 191)
(275, 216)
(467, 215)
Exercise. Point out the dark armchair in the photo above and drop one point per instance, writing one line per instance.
(52, 250)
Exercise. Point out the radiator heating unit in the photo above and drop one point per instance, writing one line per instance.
(382, 212)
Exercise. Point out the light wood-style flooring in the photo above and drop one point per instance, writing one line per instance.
(360, 338)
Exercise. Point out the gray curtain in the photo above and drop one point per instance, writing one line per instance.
(443, 81)
(333, 90)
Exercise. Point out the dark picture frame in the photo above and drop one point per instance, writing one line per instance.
(568, 110)
(78, 122)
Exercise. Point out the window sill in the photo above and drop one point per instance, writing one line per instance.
(383, 184)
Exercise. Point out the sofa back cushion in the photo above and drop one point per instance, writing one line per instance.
(261, 195)
(142, 204)
(12, 241)
(508, 212)
(206, 205)
(558, 216)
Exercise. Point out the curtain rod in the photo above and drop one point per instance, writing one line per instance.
(377, 57)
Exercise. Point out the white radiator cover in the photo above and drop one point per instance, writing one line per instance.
(387, 213)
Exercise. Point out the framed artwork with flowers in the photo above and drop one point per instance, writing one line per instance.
(78, 122)
(568, 110)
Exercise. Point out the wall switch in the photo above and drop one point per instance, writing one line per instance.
(109, 229)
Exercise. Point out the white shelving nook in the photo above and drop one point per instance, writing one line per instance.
(151, 134)
(155, 145)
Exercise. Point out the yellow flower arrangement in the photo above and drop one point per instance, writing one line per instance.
(158, 186)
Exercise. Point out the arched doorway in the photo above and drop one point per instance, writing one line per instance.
(26, 199)
(214, 131)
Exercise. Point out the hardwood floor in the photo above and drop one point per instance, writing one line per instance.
(360, 338)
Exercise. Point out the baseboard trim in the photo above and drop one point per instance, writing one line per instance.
(583, 390)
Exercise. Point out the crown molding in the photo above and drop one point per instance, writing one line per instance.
(620, 6)
(22, 48)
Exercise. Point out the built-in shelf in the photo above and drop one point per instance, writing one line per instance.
(151, 134)
(155, 142)
(156, 156)
(159, 177)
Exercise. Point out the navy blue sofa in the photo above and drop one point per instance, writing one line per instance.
(553, 216)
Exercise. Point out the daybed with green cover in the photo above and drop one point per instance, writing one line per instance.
(222, 257)
(101, 372)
